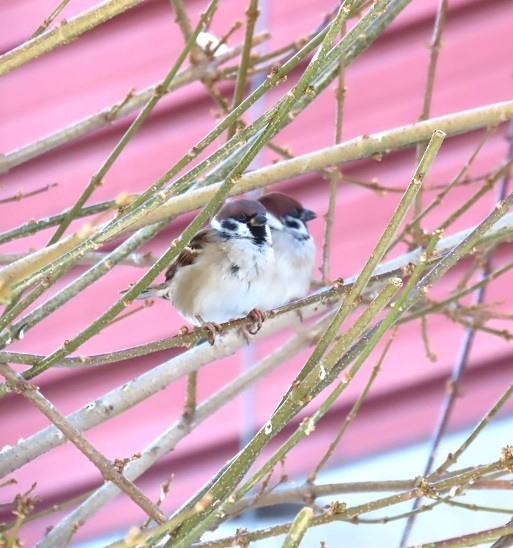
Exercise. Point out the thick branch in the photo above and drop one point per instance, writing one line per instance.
(355, 149)
(63, 33)
(130, 394)
(134, 259)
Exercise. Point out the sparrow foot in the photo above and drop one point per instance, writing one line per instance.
(213, 329)
(258, 317)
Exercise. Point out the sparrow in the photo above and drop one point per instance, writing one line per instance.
(223, 273)
(294, 250)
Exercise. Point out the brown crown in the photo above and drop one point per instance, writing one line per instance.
(280, 204)
(247, 207)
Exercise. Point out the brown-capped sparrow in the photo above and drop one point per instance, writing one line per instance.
(223, 273)
(294, 250)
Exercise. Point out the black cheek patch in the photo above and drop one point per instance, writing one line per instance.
(291, 223)
(229, 225)
(235, 269)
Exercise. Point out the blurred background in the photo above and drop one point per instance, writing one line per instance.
(390, 437)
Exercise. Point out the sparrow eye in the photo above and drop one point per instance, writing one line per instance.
(295, 213)
(243, 218)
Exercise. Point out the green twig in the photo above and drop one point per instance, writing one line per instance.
(375, 257)
(97, 179)
(232, 473)
(298, 528)
(252, 14)
(236, 469)
(452, 458)
(63, 33)
(352, 414)
(335, 175)
(176, 247)
(436, 44)
(48, 20)
(473, 539)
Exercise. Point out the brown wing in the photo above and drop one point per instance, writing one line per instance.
(190, 253)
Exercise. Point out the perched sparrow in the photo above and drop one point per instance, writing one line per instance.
(223, 273)
(294, 250)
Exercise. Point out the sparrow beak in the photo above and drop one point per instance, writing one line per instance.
(258, 220)
(308, 215)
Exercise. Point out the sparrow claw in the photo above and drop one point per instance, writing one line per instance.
(258, 317)
(212, 328)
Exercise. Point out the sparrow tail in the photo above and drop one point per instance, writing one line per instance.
(159, 290)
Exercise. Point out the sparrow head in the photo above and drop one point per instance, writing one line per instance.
(285, 213)
(243, 219)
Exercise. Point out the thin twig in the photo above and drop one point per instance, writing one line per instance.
(310, 492)
(461, 364)
(473, 539)
(436, 44)
(164, 490)
(20, 194)
(431, 356)
(128, 104)
(169, 439)
(447, 188)
(252, 14)
(97, 178)
(479, 508)
(352, 414)
(108, 471)
(53, 509)
(503, 172)
(452, 458)
(340, 94)
(433, 306)
(48, 20)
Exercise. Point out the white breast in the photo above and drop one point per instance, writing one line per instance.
(292, 270)
(227, 281)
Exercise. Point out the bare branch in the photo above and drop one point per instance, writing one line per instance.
(107, 469)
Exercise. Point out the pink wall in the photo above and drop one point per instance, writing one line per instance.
(385, 89)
